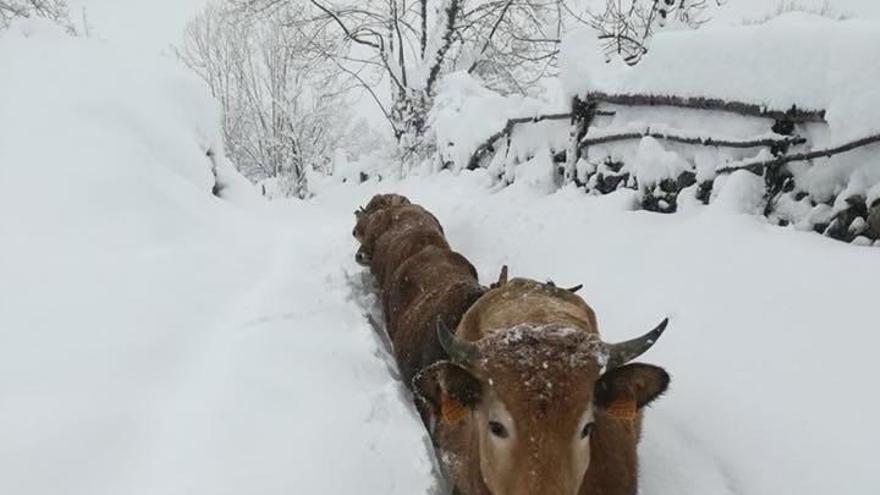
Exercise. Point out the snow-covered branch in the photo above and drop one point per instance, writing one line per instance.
(759, 165)
(409, 46)
(598, 138)
(626, 27)
(794, 114)
(488, 144)
(56, 10)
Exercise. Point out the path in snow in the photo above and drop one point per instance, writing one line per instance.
(771, 334)
(291, 391)
(241, 362)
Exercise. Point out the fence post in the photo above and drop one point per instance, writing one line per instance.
(582, 115)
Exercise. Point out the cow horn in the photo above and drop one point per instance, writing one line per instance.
(502, 278)
(624, 352)
(460, 351)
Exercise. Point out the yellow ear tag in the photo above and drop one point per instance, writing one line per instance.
(452, 410)
(624, 409)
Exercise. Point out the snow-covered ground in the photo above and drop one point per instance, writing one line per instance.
(155, 339)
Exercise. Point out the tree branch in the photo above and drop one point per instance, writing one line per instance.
(489, 37)
(487, 145)
(423, 39)
(452, 12)
(758, 166)
(794, 114)
(695, 140)
(342, 25)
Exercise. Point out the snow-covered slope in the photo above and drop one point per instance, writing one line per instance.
(153, 338)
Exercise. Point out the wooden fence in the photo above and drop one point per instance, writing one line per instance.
(781, 141)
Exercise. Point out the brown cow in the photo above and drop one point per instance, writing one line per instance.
(386, 233)
(367, 220)
(398, 244)
(420, 278)
(534, 402)
(434, 284)
(381, 201)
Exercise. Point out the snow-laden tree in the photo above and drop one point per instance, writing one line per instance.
(626, 26)
(283, 113)
(398, 50)
(407, 46)
(55, 10)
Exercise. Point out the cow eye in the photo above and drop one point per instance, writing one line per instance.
(588, 428)
(497, 429)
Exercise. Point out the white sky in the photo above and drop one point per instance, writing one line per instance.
(143, 25)
(153, 24)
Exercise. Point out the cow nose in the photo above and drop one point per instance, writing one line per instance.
(362, 258)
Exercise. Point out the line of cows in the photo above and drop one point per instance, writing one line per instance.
(518, 391)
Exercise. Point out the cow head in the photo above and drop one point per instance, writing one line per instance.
(377, 203)
(372, 221)
(361, 217)
(532, 396)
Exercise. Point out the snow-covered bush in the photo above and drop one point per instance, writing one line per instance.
(55, 10)
(625, 28)
(467, 114)
(744, 96)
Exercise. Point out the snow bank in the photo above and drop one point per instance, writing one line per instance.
(80, 144)
(808, 58)
(796, 59)
(466, 113)
(757, 11)
(653, 163)
(155, 339)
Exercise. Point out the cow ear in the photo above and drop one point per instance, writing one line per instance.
(631, 386)
(448, 390)
(461, 386)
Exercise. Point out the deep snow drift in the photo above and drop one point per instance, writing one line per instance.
(155, 339)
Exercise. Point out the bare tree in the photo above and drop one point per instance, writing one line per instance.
(626, 26)
(281, 111)
(410, 44)
(55, 10)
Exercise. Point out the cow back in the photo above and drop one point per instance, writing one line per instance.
(522, 301)
(435, 285)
